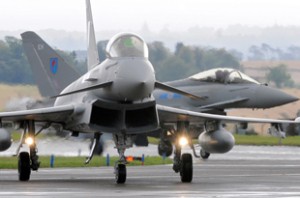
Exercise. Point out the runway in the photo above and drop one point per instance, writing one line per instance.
(212, 178)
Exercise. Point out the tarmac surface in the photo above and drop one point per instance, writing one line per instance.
(213, 178)
(247, 171)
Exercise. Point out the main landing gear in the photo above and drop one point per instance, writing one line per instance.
(24, 168)
(183, 163)
(122, 142)
(28, 161)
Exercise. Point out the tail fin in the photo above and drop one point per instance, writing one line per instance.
(92, 52)
(52, 74)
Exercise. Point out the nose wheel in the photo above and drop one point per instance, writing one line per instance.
(120, 172)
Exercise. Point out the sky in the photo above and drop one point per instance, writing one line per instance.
(175, 15)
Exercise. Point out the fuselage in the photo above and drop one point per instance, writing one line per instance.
(117, 107)
(132, 81)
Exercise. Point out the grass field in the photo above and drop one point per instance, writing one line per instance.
(11, 162)
(257, 140)
(12, 92)
(266, 140)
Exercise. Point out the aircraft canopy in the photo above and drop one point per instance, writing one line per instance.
(223, 75)
(126, 45)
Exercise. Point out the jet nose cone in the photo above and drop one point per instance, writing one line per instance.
(271, 97)
(136, 89)
(134, 80)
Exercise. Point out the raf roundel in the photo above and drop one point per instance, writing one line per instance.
(53, 65)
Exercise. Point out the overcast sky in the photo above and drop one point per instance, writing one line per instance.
(157, 14)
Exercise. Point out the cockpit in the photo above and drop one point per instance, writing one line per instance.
(223, 75)
(126, 45)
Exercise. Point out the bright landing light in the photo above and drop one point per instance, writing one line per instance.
(29, 140)
(183, 141)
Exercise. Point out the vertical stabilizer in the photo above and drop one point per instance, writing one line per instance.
(52, 74)
(92, 52)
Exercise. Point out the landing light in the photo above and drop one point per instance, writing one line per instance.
(29, 141)
(183, 141)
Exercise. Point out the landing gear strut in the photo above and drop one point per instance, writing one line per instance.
(28, 161)
(95, 145)
(122, 142)
(183, 163)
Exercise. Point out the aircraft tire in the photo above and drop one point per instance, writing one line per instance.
(186, 171)
(121, 174)
(24, 166)
(205, 155)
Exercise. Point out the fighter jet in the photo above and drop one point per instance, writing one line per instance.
(116, 97)
(223, 88)
(220, 88)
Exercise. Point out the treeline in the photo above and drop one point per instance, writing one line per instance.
(267, 52)
(183, 62)
(14, 67)
(187, 60)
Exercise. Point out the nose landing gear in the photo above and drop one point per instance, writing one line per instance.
(122, 142)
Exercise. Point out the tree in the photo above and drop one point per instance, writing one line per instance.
(280, 76)
(256, 52)
(101, 46)
(158, 52)
(15, 68)
(183, 62)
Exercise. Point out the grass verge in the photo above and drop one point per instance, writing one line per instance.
(11, 162)
(256, 140)
(266, 140)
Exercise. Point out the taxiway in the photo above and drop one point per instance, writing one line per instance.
(212, 178)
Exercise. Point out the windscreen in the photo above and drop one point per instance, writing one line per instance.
(223, 75)
(127, 45)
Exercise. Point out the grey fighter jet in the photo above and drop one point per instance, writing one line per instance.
(116, 97)
(221, 89)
